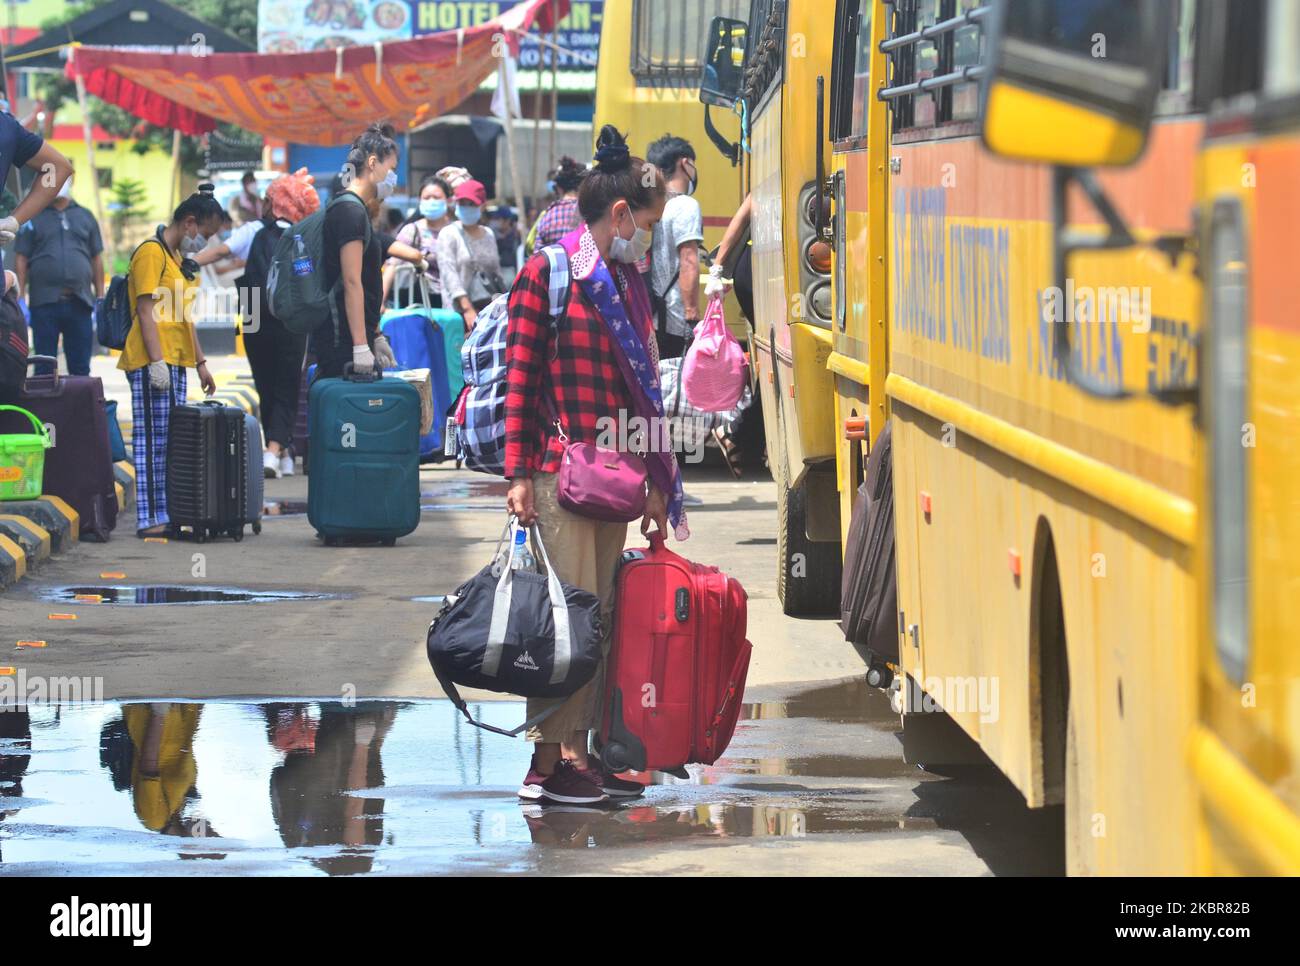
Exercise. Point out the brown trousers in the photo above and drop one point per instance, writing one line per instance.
(585, 554)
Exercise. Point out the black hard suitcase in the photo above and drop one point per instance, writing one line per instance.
(208, 471)
(869, 592)
(79, 464)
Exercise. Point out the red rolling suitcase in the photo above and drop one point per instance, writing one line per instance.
(676, 672)
(79, 465)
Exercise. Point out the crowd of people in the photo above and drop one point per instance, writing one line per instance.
(630, 223)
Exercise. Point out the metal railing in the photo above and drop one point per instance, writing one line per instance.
(902, 54)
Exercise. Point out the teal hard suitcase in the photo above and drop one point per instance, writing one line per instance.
(364, 479)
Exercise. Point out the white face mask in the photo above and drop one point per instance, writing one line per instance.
(66, 190)
(386, 187)
(631, 250)
(191, 245)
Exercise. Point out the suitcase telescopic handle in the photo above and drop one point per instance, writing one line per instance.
(53, 378)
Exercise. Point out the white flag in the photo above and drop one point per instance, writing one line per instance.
(505, 102)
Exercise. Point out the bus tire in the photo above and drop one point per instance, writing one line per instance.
(808, 572)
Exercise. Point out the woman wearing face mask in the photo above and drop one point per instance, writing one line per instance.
(596, 363)
(468, 259)
(162, 344)
(434, 214)
(353, 260)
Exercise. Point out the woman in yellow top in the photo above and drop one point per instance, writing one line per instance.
(162, 344)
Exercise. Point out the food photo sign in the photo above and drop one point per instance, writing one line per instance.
(295, 26)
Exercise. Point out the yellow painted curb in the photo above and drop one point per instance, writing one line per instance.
(13, 562)
(36, 535)
(69, 514)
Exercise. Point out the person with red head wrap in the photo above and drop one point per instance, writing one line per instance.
(274, 353)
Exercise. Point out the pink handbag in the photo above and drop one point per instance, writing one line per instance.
(713, 374)
(599, 484)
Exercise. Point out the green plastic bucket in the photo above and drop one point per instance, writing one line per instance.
(22, 459)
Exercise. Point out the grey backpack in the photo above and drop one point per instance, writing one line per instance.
(295, 282)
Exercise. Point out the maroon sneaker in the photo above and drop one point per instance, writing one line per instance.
(608, 782)
(568, 786)
(531, 789)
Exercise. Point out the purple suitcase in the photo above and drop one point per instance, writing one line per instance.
(79, 466)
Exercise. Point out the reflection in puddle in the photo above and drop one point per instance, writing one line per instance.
(304, 786)
(407, 787)
(173, 594)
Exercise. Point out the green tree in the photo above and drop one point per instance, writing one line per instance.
(236, 17)
(127, 207)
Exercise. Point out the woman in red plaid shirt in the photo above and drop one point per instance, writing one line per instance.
(572, 360)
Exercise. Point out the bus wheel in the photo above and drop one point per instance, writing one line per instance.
(808, 575)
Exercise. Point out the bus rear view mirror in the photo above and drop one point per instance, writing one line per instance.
(724, 64)
(1073, 82)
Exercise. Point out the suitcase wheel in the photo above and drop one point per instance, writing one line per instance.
(391, 542)
(257, 528)
(331, 541)
(238, 534)
(614, 755)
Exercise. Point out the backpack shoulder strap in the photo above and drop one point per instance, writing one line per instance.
(560, 280)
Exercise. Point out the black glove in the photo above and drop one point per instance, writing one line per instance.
(190, 268)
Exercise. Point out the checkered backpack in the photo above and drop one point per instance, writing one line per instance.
(481, 411)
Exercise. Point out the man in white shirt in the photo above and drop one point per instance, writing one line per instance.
(674, 254)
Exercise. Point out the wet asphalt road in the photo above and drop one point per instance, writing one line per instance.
(213, 751)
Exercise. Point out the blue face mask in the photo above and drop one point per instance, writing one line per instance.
(433, 209)
(469, 214)
(551, 186)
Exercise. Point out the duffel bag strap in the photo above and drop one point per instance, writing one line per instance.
(459, 702)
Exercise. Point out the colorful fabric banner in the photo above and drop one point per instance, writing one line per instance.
(320, 97)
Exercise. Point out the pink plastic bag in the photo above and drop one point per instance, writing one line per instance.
(713, 375)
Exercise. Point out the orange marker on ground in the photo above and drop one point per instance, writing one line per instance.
(31, 643)
(63, 617)
(89, 598)
(8, 672)
(112, 575)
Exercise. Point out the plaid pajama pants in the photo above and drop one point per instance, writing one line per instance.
(151, 411)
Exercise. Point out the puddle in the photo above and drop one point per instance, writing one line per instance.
(302, 787)
(436, 600)
(173, 594)
(284, 508)
(466, 489)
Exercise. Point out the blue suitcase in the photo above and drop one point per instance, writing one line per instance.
(364, 479)
(419, 343)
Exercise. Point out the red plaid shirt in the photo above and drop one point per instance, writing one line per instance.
(571, 358)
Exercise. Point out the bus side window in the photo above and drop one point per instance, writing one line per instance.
(851, 88)
(1176, 93)
(668, 38)
(967, 52)
(1229, 39)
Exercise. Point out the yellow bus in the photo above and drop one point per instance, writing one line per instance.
(647, 84)
(785, 48)
(1094, 490)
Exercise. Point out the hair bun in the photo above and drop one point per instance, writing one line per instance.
(612, 154)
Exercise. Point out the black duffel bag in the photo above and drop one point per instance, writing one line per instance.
(498, 632)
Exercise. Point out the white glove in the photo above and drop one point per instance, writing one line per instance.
(363, 360)
(384, 357)
(717, 286)
(160, 376)
(8, 229)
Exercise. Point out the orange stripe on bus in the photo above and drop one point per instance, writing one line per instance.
(1277, 213)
